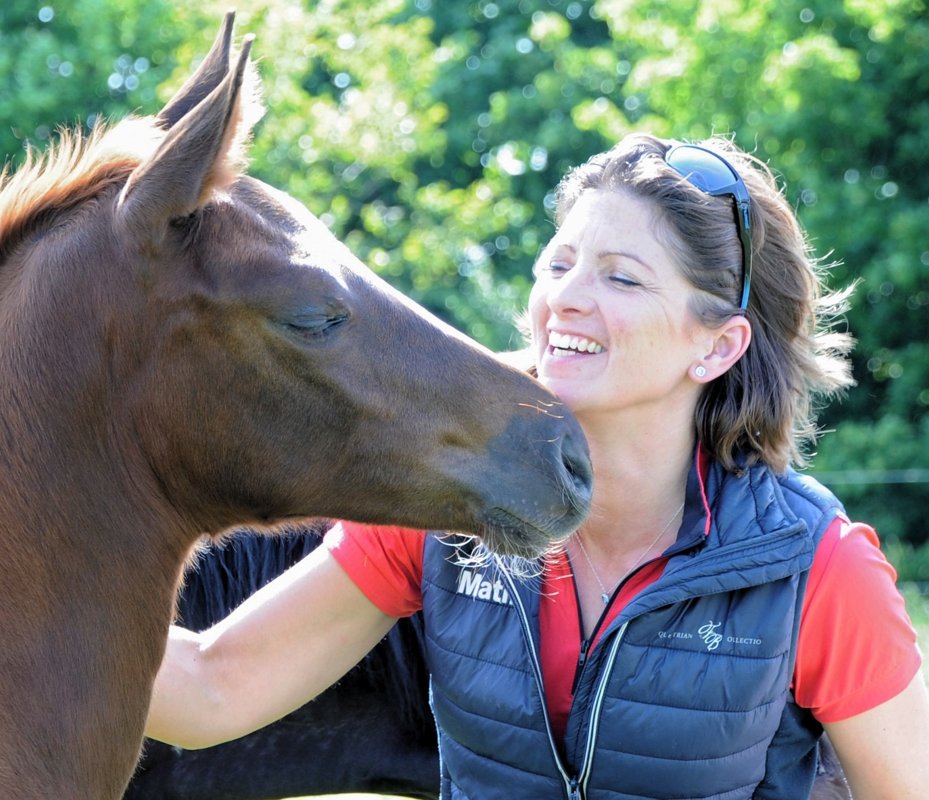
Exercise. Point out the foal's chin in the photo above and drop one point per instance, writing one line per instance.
(504, 534)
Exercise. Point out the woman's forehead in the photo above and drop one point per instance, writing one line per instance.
(610, 222)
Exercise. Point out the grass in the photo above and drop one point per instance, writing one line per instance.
(917, 604)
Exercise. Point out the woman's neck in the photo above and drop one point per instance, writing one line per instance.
(640, 479)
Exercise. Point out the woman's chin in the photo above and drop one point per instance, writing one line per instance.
(560, 376)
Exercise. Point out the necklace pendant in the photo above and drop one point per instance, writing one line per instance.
(605, 598)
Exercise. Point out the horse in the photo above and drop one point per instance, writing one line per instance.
(371, 732)
(185, 350)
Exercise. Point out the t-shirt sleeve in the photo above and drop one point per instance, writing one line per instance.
(857, 647)
(386, 562)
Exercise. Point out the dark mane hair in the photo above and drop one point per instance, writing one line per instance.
(224, 573)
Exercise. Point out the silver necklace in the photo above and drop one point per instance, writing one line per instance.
(604, 594)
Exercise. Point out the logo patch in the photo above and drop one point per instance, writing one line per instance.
(474, 584)
(711, 635)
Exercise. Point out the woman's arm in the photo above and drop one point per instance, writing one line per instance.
(885, 751)
(284, 645)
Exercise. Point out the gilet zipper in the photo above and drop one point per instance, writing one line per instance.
(571, 785)
(576, 786)
(596, 706)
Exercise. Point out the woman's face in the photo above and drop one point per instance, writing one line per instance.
(608, 312)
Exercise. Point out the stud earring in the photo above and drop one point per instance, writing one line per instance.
(700, 371)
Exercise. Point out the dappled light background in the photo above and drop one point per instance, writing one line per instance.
(429, 135)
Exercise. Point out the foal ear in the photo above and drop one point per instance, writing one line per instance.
(208, 76)
(199, 154)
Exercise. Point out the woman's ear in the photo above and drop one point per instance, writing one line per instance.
(727, 345)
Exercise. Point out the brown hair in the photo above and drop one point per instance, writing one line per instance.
(762, 409)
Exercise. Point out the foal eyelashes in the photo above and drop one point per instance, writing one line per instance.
(317, 324)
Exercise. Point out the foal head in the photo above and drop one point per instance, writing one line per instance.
(242, 363)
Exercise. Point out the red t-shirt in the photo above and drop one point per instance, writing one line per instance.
(857, 647)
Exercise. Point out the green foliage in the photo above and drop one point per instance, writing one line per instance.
(912, 565)
(917, 603)
(875, 467)
(429, 136)
(68, 64)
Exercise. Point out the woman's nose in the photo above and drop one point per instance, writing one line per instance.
(574, 292)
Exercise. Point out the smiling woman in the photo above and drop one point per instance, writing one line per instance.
(705, 551)
(639, 344)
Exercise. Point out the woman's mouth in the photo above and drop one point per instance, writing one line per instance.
(565, 344)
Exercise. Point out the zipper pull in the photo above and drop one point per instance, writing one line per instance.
(574, 790)
(581, 660)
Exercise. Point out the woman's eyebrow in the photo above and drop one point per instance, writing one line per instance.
(625, 254)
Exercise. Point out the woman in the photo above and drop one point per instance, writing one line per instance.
(715, 612)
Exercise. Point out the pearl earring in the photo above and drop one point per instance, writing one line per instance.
(700, 371)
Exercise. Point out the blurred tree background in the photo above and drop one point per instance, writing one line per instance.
(429, 135)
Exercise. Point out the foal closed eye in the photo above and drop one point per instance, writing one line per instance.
(313, 325)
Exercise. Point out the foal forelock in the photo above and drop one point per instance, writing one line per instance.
(76, 169)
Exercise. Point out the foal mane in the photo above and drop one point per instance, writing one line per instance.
(72, 171)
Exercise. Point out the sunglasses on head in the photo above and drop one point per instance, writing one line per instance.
(711, 173)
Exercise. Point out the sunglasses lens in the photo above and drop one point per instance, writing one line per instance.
(711, 173)
(703, 169)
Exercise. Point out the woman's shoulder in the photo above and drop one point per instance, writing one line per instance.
(385, 561)
(849, 552)
(857, 646)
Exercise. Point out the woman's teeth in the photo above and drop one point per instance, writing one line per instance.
(564, 344)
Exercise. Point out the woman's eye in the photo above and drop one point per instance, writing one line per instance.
(624, 280)
(556, 267)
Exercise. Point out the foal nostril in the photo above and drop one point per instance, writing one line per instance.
(576, 461)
